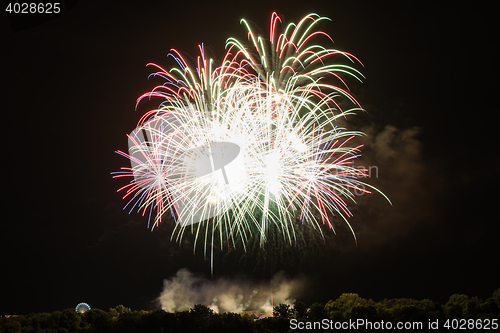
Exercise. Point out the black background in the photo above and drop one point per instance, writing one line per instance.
(68, 91)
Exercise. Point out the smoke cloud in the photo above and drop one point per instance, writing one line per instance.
(185, 289)
(397, 167)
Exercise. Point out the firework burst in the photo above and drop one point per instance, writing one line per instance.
(252, 142)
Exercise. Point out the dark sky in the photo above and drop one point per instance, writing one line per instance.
(68, 91)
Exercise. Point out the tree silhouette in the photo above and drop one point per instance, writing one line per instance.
(456, 306)
(282, 311)
(317, 312)
(300, 310)
(69, 320)
(202, 319)
(496, 297)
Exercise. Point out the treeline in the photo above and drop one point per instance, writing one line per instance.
(202, 319)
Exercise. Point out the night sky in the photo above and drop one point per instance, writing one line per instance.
(68, 92)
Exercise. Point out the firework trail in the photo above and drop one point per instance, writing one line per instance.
(252, 142)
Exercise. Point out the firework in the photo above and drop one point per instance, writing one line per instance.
(252, 142)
